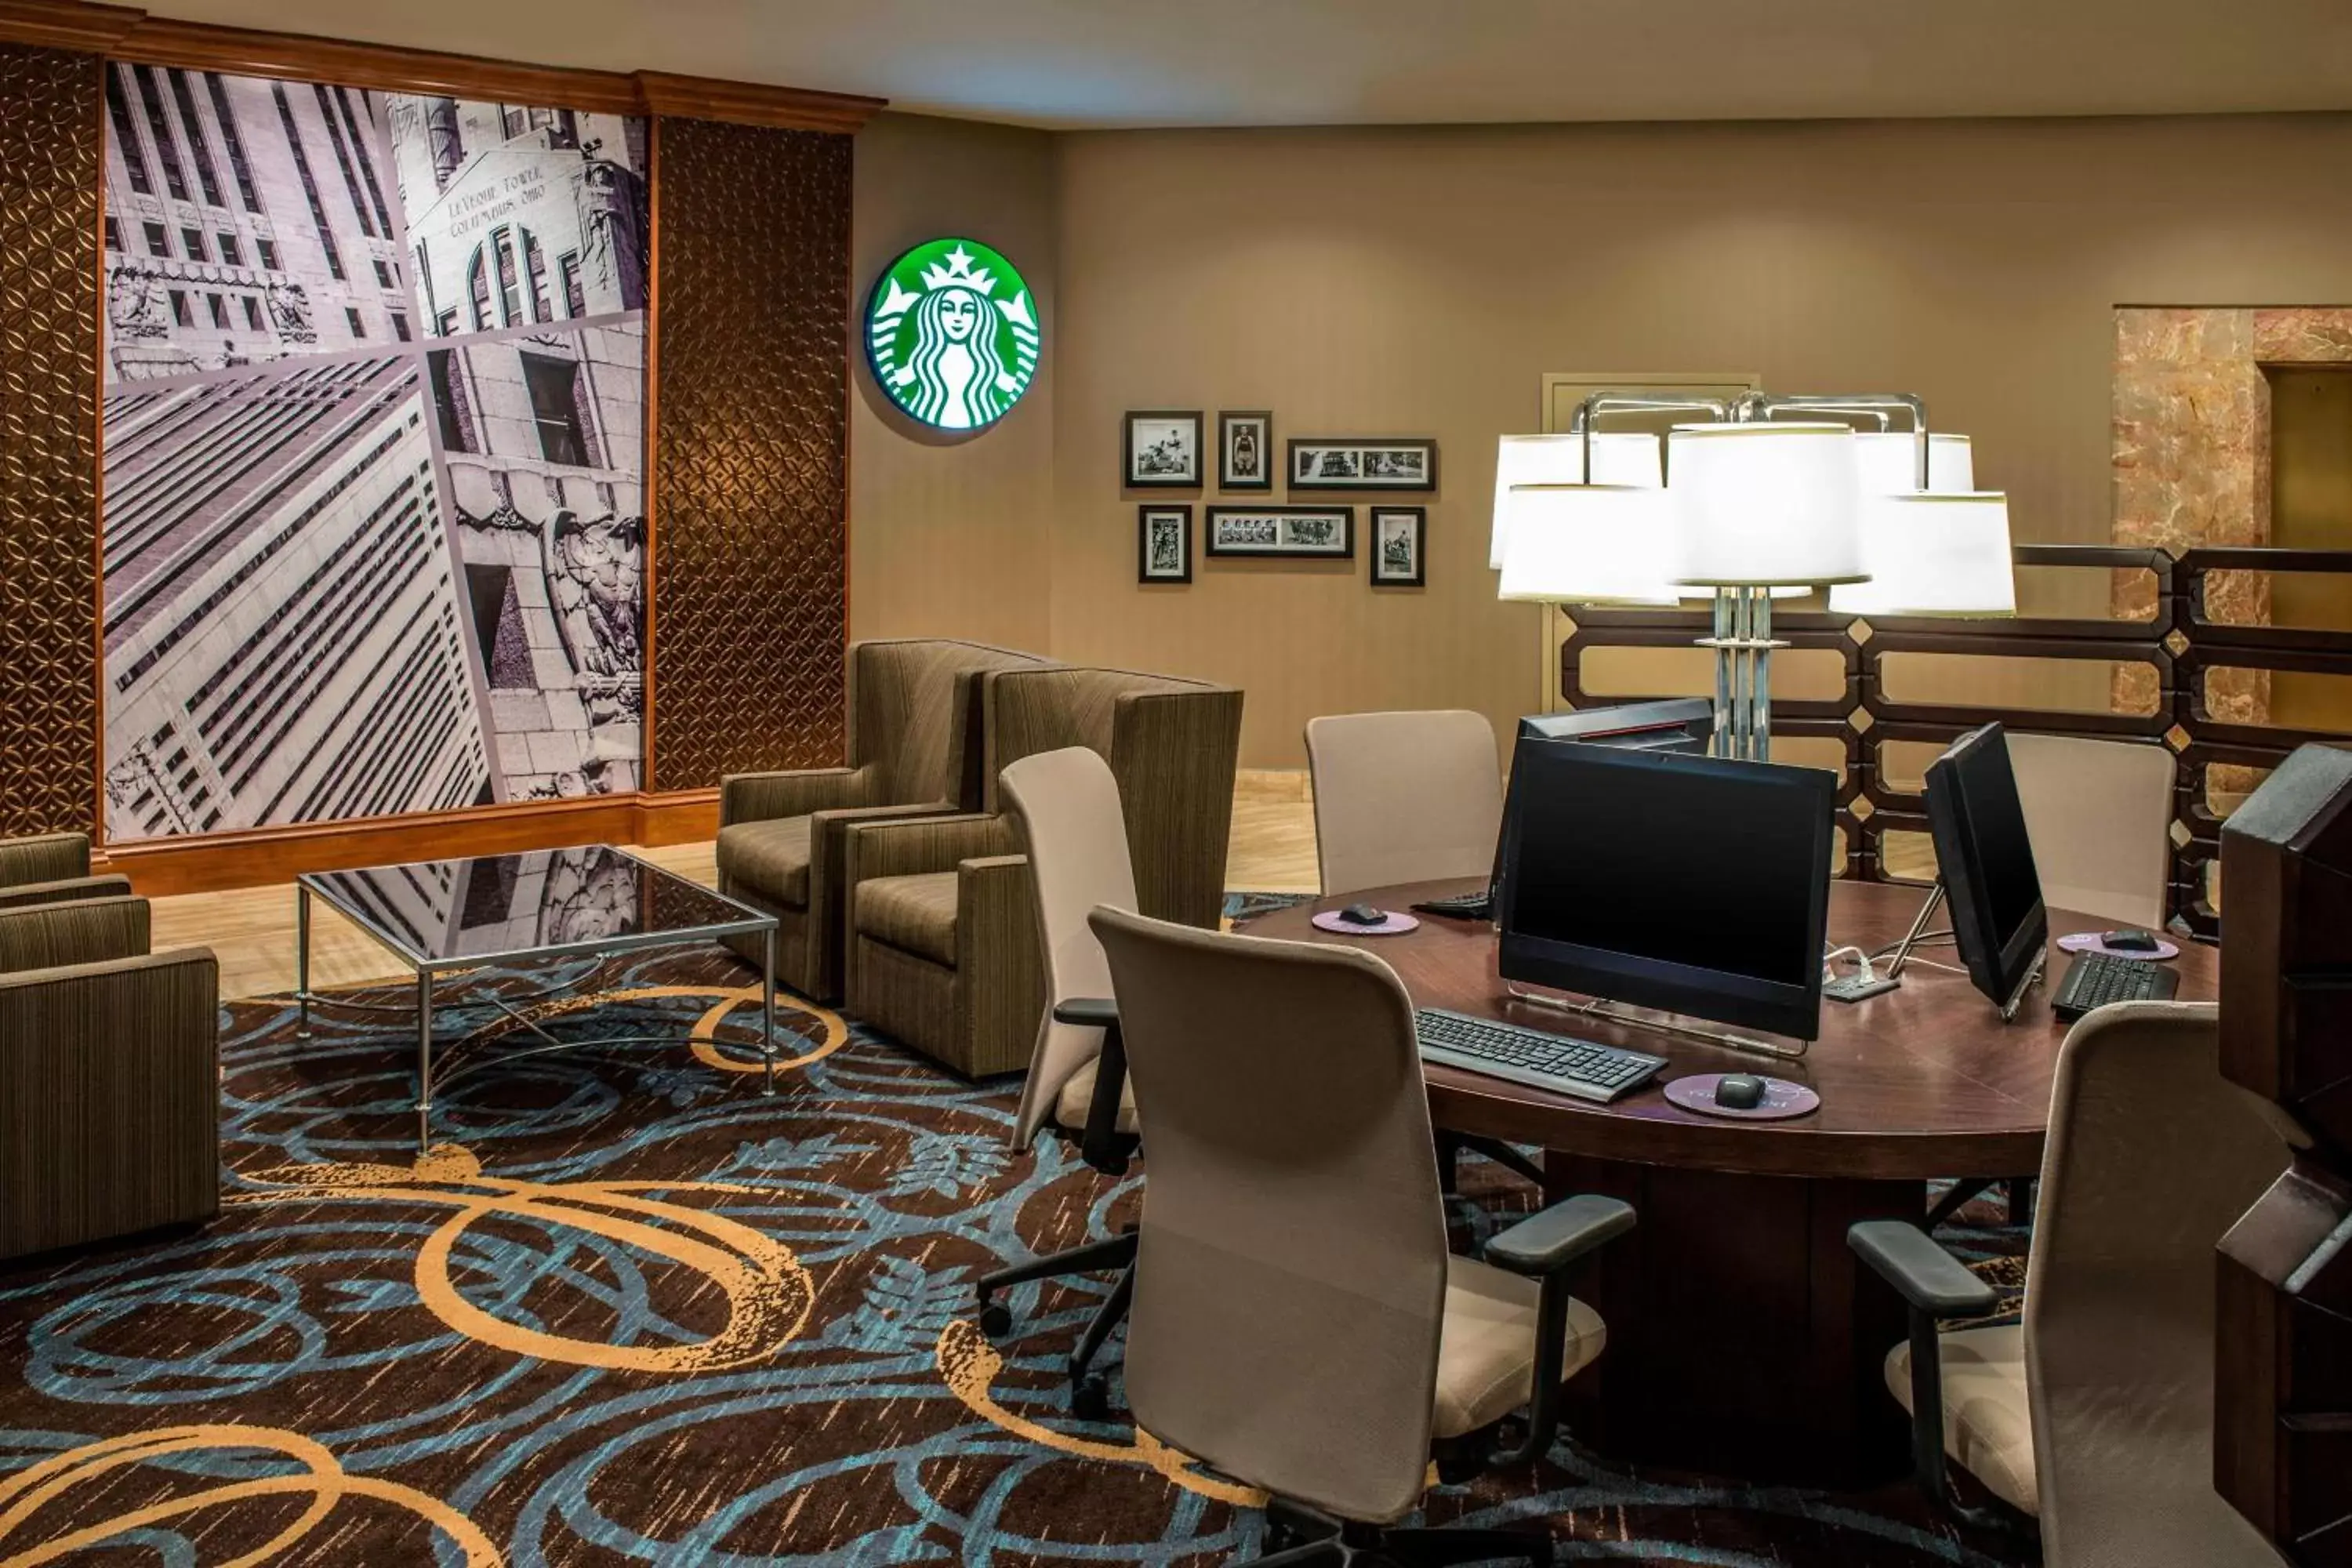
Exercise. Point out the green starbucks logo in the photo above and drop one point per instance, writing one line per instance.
(951, 334)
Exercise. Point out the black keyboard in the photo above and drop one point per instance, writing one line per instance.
(1581, 1068)
(2096, 979)
(1477, 905)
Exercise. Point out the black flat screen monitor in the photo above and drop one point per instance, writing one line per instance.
(1987, 864)
(1673, 724)
(1696, 885)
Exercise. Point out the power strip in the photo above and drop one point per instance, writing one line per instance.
(1855, 988)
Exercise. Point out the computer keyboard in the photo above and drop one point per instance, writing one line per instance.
(1477, 905)
(2096, 979)
(1564, 1065)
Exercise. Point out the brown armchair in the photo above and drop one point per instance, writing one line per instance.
(942, 945)
(49, 868)
(912, 706)
(109, 1077)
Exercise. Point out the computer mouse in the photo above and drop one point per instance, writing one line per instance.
(2130, 940)
(1364, 915)
(1739, 1091)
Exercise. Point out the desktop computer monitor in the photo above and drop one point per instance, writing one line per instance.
(1987, 864)
(1673, 724)
(1695, 885)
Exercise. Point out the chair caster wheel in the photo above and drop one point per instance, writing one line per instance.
(1090, 1398)
(1281, 1537)
(996, 1319)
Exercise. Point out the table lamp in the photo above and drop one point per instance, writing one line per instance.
(1619, 457)
(1888, 461)
(1590, 544)
(1760, 505)
(1940, 553)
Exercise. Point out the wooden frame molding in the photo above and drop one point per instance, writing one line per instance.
(256, 857)
(130, 33)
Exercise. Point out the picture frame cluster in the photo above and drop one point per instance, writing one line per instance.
(1163, 448)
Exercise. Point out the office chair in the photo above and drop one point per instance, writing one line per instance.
(1066, 809)
(2096, 1413)
(1298, 1322)
(2099, 816)
(1409, 797)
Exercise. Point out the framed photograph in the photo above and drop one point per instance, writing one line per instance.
(1164, 542)
(1398, 533)
(1320, 532)
(1163, 450)
(1245, 450)
(1402, 463)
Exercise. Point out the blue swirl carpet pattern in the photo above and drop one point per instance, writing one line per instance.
(629, 1310)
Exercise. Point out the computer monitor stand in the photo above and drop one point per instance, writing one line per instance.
(1787, 1050)
(1918, 929)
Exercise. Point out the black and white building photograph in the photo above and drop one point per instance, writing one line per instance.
(1399, 533)
(1245, 450)
(1165, 544)
(1163, 449)
(326, 420)
(1313, 532)
(1397, 464)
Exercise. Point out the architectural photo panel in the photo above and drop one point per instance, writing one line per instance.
(375, 453)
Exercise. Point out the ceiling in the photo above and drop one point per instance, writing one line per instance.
(1101, 63)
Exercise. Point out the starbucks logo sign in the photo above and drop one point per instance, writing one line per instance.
(952, 334)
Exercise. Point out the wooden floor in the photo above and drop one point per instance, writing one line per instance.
(251, 929)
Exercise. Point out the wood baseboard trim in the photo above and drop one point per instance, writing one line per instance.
(129, 32)
(260, 857)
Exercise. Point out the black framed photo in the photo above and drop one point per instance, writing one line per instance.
(1164, 544)
(1399, 463)
(1163, 449)
(1398, 533)
(1320, 533)
(1244, 449)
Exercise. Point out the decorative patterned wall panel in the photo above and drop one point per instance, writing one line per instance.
(50, 108)
(750, 596)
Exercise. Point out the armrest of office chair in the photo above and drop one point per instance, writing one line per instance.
(1102, 1144)
(1542, 1247)
(1935, 1285)
(64, 889)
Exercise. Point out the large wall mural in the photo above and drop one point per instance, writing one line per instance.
(374, 427)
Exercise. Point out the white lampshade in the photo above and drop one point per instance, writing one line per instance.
(1590, 544)
(1765, 504)
(1889, 461)
(1943, 554)
(1619, 457)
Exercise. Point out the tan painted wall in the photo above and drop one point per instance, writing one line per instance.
(1420, 282)
(952, 539)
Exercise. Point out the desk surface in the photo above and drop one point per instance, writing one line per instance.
(1919, 1082)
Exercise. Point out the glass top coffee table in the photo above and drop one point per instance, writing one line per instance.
(443, 916)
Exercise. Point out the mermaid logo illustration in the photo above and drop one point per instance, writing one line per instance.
(952, 334)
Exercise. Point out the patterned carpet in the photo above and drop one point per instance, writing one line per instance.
(631, 1310)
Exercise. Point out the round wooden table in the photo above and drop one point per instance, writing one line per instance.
(1744, 1337)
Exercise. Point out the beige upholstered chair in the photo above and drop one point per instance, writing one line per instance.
(2096, 1411)
(1298, 1322)
(943, 934)
(2099, 815)
(49, 868)
(1404, 798)
(109, 1077)
(1409, 797)
(1064, 806)
(912, 712)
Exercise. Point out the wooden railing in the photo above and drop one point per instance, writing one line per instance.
(2180, 642)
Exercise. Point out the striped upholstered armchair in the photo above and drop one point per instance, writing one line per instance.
(109, 1072)
(942, 949)
(50, 867)
(912, 714)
